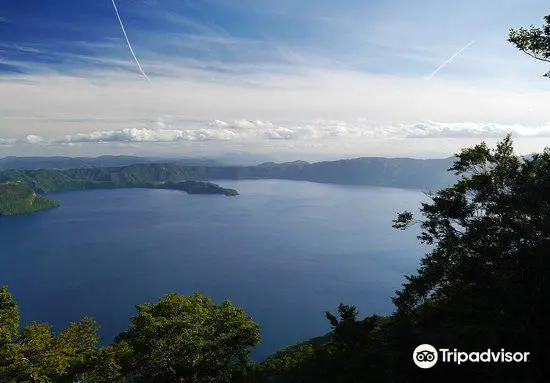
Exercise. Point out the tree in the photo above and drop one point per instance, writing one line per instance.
(486, 282)
(9, 317)
(535, 41)
(355, 351)
(9, 329)
(37, 353)
(109, 365)
(177, 339)
(189, 339)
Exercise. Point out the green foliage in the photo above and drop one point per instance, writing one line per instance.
(485, 283)
(38, 354)
(19, 198)
(195, 187)
(403, 220)
(109, 365)
(354, 351)
(177, 339)
(189, 339)
(129, 176)
(47, 180)
(534, 41)
(291, 362)
(9, 317)
(288, 365)
(166, 176)
(20, 190)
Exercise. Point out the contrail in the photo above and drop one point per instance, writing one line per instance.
(450, 59)
(128, 41)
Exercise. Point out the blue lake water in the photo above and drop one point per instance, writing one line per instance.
(285, 251)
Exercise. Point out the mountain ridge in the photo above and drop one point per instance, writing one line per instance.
(408, 173)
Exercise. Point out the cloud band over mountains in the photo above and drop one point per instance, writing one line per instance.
(256, 130)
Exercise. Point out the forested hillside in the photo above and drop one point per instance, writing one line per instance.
(22, 189)
(16, 198)
(50, 180)
(399, 172)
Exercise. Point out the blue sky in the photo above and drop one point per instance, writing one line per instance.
(313, 78)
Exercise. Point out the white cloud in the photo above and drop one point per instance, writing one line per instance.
(342, 110)
(147, 135)
(243, 124)
(304, 95)
(317, 131)
(279, 134)
(34, 139)
(434, 129)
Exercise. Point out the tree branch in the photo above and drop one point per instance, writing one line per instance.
(534, 56)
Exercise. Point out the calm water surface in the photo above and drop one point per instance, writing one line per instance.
(285, 251)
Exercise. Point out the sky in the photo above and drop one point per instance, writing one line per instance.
(288, 79)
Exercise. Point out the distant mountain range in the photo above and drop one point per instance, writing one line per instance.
(374, 171)
(102, 161)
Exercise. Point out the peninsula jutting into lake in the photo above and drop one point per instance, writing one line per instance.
(23, 191)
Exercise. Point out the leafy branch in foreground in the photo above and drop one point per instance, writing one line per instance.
(533, 41)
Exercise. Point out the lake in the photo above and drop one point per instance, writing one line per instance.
(285, 251)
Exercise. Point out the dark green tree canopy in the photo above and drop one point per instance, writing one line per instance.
(485, 282)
